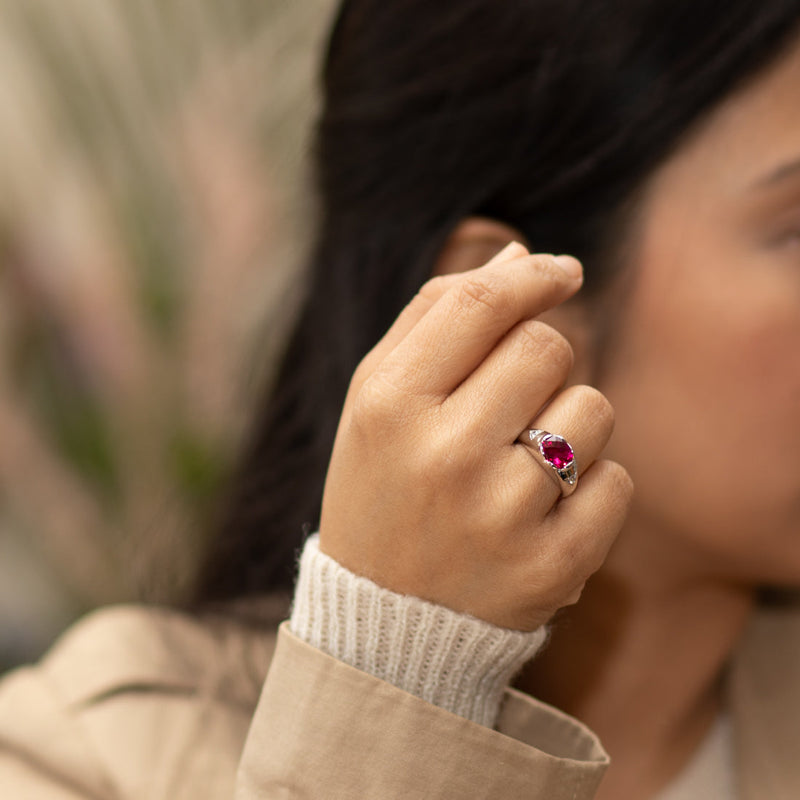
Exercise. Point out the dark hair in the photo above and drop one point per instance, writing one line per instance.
(545, 114)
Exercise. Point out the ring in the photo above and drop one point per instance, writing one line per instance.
(555, 454)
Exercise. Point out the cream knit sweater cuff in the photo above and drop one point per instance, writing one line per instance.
(449, 659)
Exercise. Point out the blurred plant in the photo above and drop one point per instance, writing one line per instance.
(151, 208)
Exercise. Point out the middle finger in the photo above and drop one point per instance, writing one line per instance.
(508, 389)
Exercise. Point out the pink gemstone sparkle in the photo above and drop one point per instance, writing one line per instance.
(557, 452)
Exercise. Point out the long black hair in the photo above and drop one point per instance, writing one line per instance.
(545, 114)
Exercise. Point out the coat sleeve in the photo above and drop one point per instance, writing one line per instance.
(323, 729)
(143, 705)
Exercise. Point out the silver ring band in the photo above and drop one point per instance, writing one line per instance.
(555, 454)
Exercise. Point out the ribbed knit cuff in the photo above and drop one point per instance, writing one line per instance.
(452, 660)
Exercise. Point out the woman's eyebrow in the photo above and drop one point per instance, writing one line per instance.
(780, 173)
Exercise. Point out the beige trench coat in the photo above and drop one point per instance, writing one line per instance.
(150, 704)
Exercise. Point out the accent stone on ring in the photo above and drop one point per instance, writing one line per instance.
(556, 453)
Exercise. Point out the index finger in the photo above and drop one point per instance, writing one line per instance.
(421, 303)
(465, 324)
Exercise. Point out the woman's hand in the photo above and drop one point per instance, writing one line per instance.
(429, 493)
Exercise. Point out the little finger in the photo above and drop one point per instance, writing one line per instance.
(589, 521)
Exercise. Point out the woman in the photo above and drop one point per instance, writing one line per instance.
(659, 144)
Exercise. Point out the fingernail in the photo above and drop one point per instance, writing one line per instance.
(570, 265)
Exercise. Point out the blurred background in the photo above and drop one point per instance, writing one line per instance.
(154, 215)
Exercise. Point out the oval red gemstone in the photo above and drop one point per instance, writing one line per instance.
(557, 452)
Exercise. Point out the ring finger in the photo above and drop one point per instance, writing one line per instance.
(582, 416)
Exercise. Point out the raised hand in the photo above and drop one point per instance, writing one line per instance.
(430, 493)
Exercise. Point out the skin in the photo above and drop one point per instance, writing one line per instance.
(704, 374)
(429, 494)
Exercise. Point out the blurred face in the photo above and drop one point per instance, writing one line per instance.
(705, 370)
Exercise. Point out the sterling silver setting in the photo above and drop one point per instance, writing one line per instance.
(555, 455)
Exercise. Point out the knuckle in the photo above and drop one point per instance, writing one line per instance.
(440, 446)
(377, 403)
(583, 553)
(545, 342)
(596, 406)
(613, 494)
(434, 288)
(363, 370)
(573, 597)
(595, 559)
(576, 554)
(622, 483)
(480, 294)
(548, 268)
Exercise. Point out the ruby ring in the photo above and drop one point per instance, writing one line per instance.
(555, 455)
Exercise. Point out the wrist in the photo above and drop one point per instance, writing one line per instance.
(450, 659)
